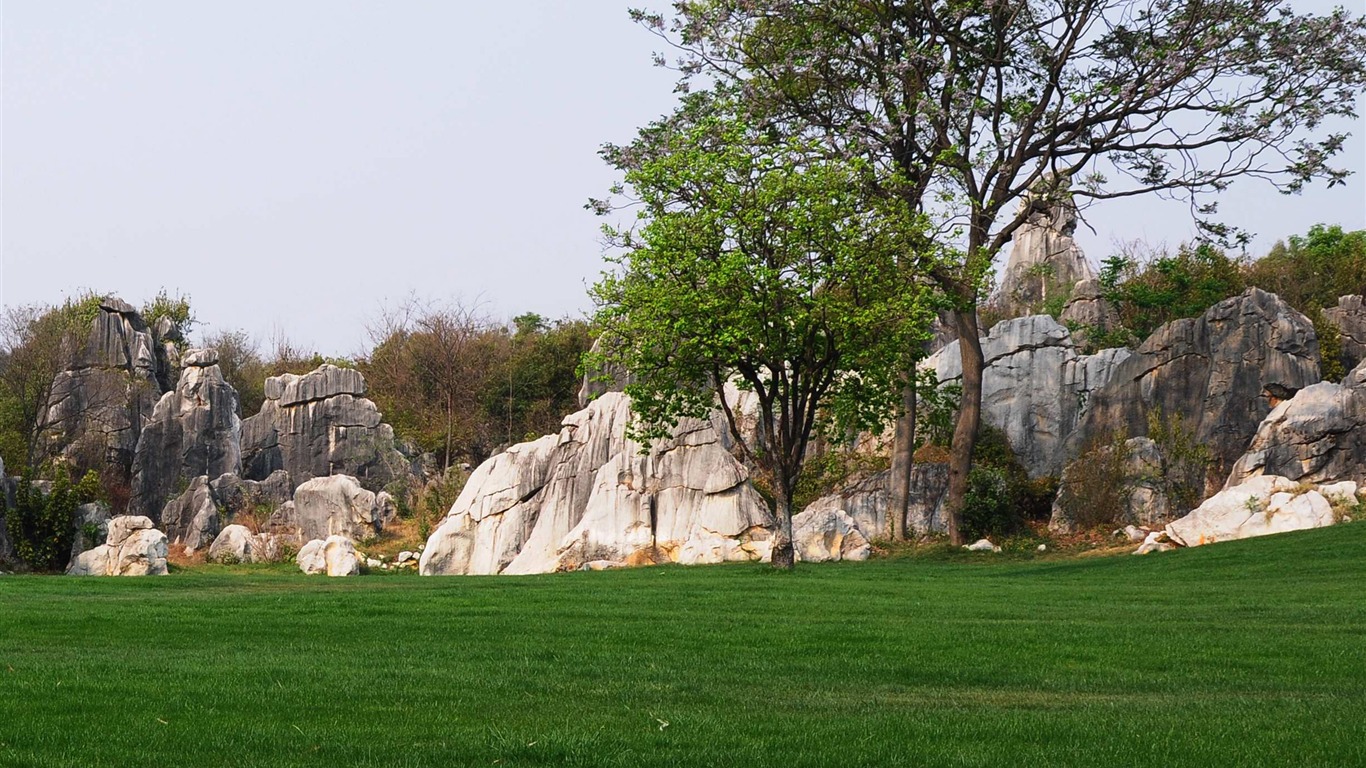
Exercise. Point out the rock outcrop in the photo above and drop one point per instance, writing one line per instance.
(1317, 436)
(1036, 387)
(192, 519)
(97, 407)
(338, 506)
(1261, 506)
(1044, 259)
(133, 548)
(1211, 371)
(588, 495)
(1349, 317)
(320, 424)
(822, 535)
(194, 430)
(865, 501)
(333, 556)
(237, 544)
(1087, 312)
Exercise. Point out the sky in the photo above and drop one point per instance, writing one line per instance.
(295, 167)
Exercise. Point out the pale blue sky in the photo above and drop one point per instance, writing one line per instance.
(293, 165)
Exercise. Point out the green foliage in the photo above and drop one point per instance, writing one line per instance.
(1311, 271)
(1096, 491)
(1148, 295)
(831, 470)
(989, 507)
(176, 309)
(1330, 347)
(42, 527)
(936, 407)
(754, 259)
(1185, 460)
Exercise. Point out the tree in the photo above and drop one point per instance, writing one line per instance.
(753, 262)
(971, 105)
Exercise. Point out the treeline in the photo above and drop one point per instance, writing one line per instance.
(454, 383)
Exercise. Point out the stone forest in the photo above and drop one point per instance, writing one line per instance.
(1246, 418)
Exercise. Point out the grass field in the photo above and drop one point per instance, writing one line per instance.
(1250, 653)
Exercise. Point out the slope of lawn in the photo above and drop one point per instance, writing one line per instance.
(1249, 653)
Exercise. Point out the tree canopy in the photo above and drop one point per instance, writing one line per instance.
(754, 263)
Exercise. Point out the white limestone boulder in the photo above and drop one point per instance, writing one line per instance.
(1262, 505)
(334, 556)
(822, 535)
(133, 547)
(337, 506)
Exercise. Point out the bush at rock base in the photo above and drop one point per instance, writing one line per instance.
(41, 527)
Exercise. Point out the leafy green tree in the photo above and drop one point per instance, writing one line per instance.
(964, 107)
(1148, 295)
(42, 526)
(753, 261)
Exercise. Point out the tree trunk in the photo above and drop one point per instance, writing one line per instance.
(783, 555)
(903, 459)
(969, 419)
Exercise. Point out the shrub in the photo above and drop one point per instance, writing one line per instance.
(989, 507)
(1097, 487)
(43, 527)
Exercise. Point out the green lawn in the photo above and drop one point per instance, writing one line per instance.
(1250, 653)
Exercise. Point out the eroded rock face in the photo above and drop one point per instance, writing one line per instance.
(97, 407)
(92, 527)
(1349, 316)
(865, 501)
(1211, 371)
(336, 506)
(1035, 387)
(823, 535)
(1044, 259)
(1261, 506)
(1317, 436)
(192, 519)
(133, 548)
(1087, 311)
(317, 425)
(194, 430)
(587, 495)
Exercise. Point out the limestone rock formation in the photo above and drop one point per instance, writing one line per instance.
(1212, 371)
(237, 496)
(1317, 436)
(1036, 387)
(337, 506)
(1141, 491)
(317, 425)
(1263, 505)
(133, 548)
(334, 556)
(97, 407)
(1349, 317)
(1087, 312)
(587, 494)
(1044, 259)
(865, 501)
(822, 535)
(192, 519)
(598, 382)
(237, 544)
(194, 430)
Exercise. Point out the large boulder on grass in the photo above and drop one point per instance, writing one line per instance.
(1260, 506)
(590, 494)
(822, 535)
(333, 556)
(133, 547)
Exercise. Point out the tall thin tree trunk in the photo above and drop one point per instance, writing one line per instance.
(783, 554)
(450, 416)
(903, 460)
(969, 419)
